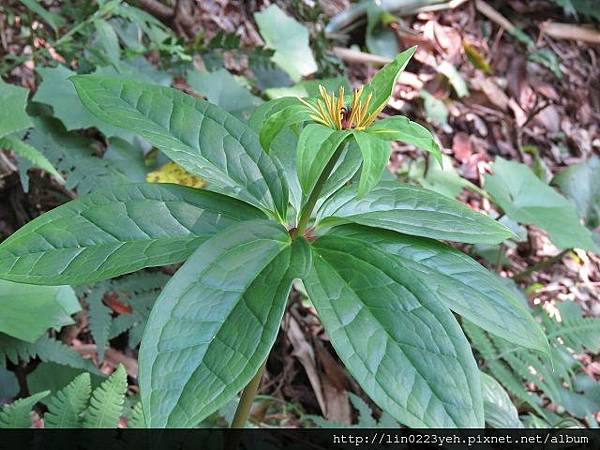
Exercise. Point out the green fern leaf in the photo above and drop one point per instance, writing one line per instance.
(14, 350)
(365, 415)
(53, 350)
(139, 282)
(514, 385)
(18, 413)
(66, 407)
(46, 348)
(107, 401)
(100, 321)
(480, 340)
(137, 419)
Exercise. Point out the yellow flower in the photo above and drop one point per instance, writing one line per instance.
(332, 112)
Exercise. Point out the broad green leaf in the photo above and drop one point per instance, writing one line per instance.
(457, 281)
(581, 183)
(201, 137)
(13, 117)
(138, 68)
(347, 166)
(224, 90)
(215, 322)
(499, 411)
(53, 377)
(9, 385)
(265, 111)
(115, 231)
(316, 146)
(441, 178)
(289, 39)
(128, 159)
(26, 311)
(402, 346)
(526, 199)
(57, 91)
(291, 115)
(75, 156)
(382, 84)
(400, 128)
(32, 154)
(282, 147)
(380, 38)
(375, 154)
(108, 40)
(413, 210)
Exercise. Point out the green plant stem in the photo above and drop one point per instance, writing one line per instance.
(541, 265)
(243, 409)
(309, 206)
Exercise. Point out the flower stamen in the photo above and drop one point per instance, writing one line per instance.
(331, 110)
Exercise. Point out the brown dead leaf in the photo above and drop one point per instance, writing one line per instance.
(334, 382)
(520, 115)
(461, 146)
(329, 389)
(549, 118)
(303, 351)
(492, 91)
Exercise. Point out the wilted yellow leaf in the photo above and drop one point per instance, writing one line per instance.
(174, 173)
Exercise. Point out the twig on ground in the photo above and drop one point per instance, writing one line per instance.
(356, 56)
(544, 264)
(569, 31)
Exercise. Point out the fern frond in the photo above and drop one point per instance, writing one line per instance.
(66, 407)
(107, 401)
(580, 334)
(18, 413)
(137, 420)
(365, 415)
(100, 321)
(15, 350)
(121, 324)
(46, 348)
(53, 350)
(139, 282)
(480, 340)
(514, 385)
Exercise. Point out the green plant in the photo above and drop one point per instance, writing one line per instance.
(77, 406)
(368, 252)
(558, 379)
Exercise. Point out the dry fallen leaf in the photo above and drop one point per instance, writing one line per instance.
(461, 146)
